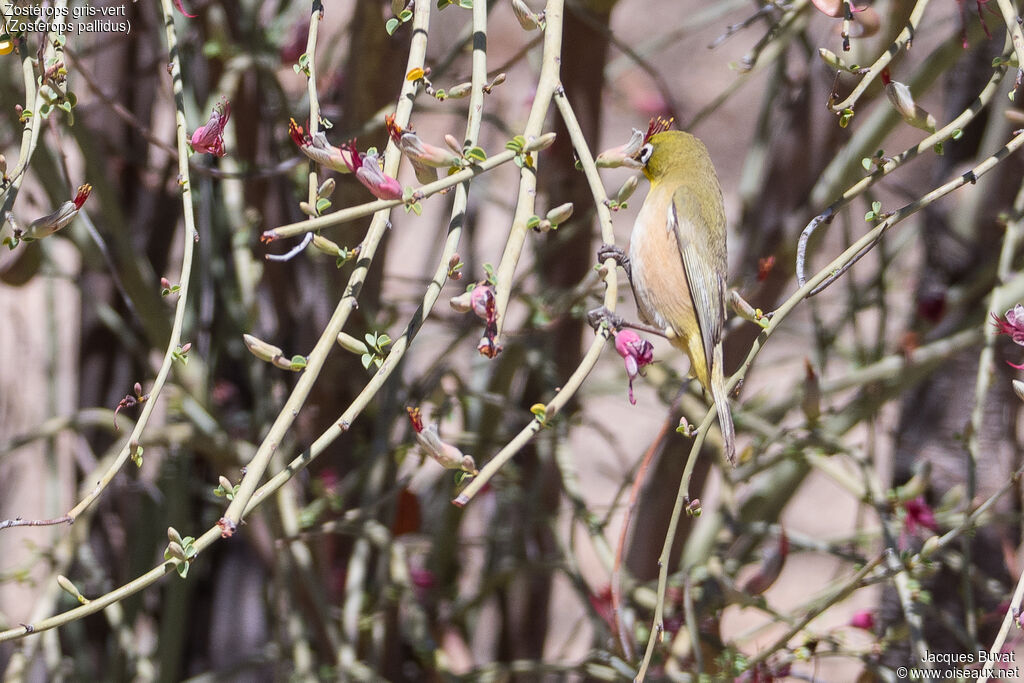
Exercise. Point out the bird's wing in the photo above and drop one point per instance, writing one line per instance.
(705, 266)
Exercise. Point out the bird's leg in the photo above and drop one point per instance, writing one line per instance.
(614, 321)
(746, 311)
(611, 251)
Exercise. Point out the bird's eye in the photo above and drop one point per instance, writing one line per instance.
(644, 155)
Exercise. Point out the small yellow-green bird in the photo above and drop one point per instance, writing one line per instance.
(677, 257)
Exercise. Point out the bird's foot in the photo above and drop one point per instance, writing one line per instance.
(601, 316)
(748, 312)
(611, 251)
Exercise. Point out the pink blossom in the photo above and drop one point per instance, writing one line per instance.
(178, 6)
(919, 514)
(319, 150)
(64, 214)
(863, 619)
(367, 170)
(479, 298)
(1012, 324)
(636, 351)
(209, 139)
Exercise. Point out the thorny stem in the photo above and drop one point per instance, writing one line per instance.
(191, 235)
(316, 359)
(1011, 242)
(314, 124)
(33, 126)
(1012, 19)
(891, 164)
(546, 86)
(355, 212)
(841, 592)
(574, 382)
(970, 176)
(905, 37)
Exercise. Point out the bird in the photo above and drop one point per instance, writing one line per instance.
(678, 261)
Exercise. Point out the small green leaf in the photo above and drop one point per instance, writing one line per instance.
(956, 134)
(532, 222)
(876, 207)
(136, 455)
(516, 144)
(476, 154)
(468, 4)
(939, 148)
(298, 362)
(866, 163)
(869, 216)
(405, 15)
(322, 205)
(366, 359)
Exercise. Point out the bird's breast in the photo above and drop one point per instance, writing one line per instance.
(659, 281)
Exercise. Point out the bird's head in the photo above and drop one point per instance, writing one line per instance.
(667, 151)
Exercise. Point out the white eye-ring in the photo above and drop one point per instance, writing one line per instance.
(644, 155)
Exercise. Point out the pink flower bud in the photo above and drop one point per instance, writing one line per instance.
(1012, 324)
(65, 213)
(636, 351)
(319, 150)
(368, 172)
(209, 139)
(481, 299)
(447, 455)
(178, 6)
(863, 619)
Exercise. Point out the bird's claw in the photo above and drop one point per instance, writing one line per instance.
(602, 316)
(611, 251)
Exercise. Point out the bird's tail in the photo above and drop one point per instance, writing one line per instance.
(722, 405)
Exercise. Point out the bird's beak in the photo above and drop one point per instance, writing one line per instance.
(623, 154)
